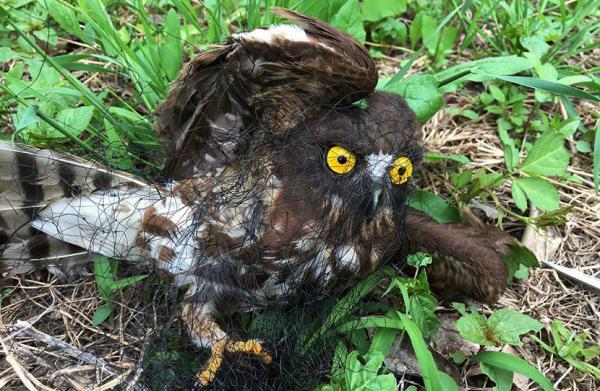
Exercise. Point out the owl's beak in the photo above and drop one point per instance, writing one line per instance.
(373, 204)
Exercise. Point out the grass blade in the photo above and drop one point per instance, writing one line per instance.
(430, 373)
(513, 363)
(551, 86)
(400, 74)
(597, 158)
(344, 306)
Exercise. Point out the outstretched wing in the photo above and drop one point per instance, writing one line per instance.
(272, 78)
(30, 181)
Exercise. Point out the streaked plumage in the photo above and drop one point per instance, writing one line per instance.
(260, 212)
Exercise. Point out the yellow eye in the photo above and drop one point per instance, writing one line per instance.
(402, 170)
(340, 160)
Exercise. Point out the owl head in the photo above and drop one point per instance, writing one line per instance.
(355, 160)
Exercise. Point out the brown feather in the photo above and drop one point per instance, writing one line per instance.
(226, 94)
(468, 260)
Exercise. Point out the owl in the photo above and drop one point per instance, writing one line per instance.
(290, 182)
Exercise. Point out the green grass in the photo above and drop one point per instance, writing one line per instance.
(85, 76)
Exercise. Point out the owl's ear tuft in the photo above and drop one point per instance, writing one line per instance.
(272, 79)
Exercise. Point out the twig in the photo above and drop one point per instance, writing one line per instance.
(133, 382)
(39, 360)
(22, 327)
(28, 380)
(25, 328)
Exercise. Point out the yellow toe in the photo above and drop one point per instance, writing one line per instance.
(208, 374)
(251, 346)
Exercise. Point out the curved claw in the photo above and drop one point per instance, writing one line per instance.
(218, 350)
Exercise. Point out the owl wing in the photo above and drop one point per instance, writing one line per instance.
(272, 78)
(56, 208)
(467, 260)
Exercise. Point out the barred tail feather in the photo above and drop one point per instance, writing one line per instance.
(106, 222)
(31, 179)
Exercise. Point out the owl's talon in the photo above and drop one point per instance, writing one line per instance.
(252, 346)
(208, 374)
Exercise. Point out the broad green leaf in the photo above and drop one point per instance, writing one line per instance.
(26, 118)
(365, 377)
(434, 206)
(569, 127)
(421, 306)
(502, 377)
(502, 327)
(349, 19)
(419, 259)
(42, 74)
(535, 45)
(402, 72)
(430, 36)
(64, 16)
(130, 115)
(101, 314)
(583, 146)
(460, 307)
(507, 326)
(513, 363)
(497, 94)
(104, 276)
(172, 50)
(470, 114)
(421, 94)
(458, 357)
(7, 54)
(448, 383)
(541, 192)
(511, 157)
(522, 273)
(419, 303)
(447, 39)
(375, 10)
(324, 10)
(488, 180)
(47, 35)
(518, 196)
(75, 120)
(415, 31)
(122, 283)
(474, 328)
(524, 255)
(457, 157)
(462, 179)
(547, 157)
